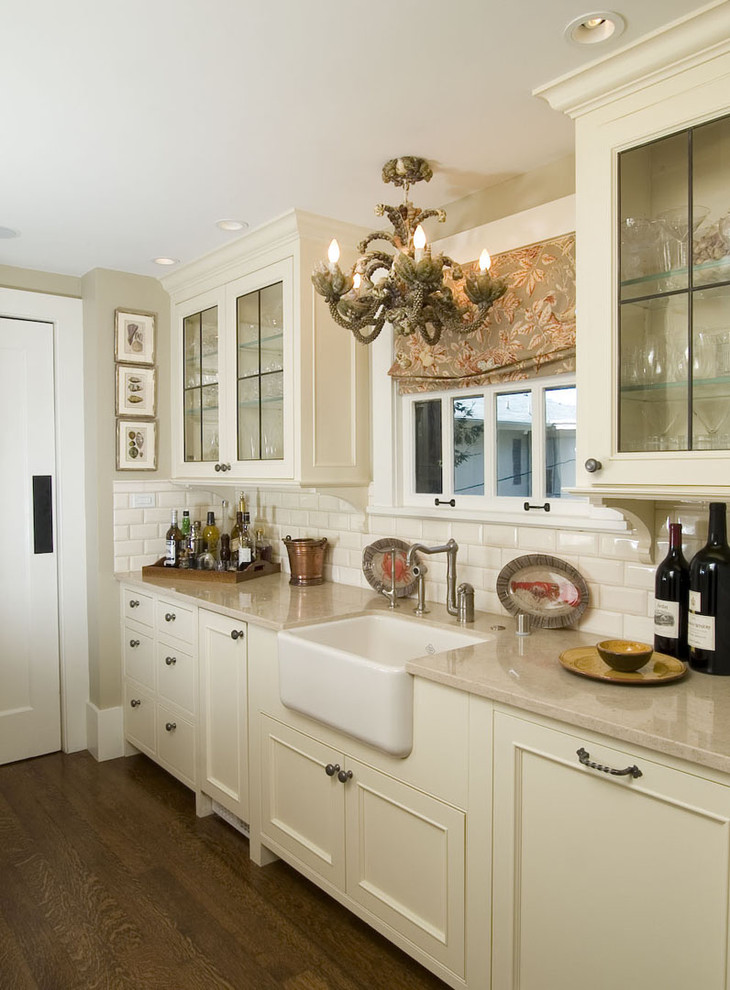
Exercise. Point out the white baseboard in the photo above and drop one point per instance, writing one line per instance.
(104, 732)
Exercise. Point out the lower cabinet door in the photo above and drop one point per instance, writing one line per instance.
(139, 718)
(222, 655)
(176, 745)
(603, 881)
(406, 861)
(303, 804)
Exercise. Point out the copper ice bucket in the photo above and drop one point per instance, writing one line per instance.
(306, 560)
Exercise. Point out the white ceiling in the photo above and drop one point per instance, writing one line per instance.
(128, 127)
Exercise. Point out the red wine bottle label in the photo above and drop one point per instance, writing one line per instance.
(666, 619)
(701, 630)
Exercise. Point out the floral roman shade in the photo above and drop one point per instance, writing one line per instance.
(530, 331)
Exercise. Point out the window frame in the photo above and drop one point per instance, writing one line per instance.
(488, 503)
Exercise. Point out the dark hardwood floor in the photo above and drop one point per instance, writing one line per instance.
(108, 880)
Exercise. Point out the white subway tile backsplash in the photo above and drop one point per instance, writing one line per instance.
(136, 563)
(626, 600)
(640, 576)
(436, 531)
(640, 628)
(121, 500)
(466, 532)
(479, 556)
(499, 536)
(146, 531)
(155, 516)
(581, 544)
(602, 623)
(601, 571)
(536, 540)
(620, 547)
(129, 517)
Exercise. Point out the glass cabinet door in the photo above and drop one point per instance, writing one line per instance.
(674, 292)
(200, 386)
(260, 374)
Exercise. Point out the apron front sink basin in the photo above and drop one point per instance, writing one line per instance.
(350, 674)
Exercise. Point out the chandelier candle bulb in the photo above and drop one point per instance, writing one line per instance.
(419, 242)
(485, 261)
(333, 254)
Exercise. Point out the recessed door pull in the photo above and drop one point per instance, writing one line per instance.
(526, 506)
(450, 501)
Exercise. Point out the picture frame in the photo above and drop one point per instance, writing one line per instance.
(136, 445)
(136, 391)
(134, 337)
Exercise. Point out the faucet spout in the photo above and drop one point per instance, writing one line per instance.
(450, 548)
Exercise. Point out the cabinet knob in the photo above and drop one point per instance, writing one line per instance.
(170, 661)
(133, 603)
(135, 702)
(170, 726)
(592, 465)
(133, 643)
(237, 634)
(331, 769)
(344, 775)
(169, 616)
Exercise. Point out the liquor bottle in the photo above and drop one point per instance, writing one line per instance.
(225, 552)
(247, 548)
(709, 599)
(242, 502)
(197, 544)
(211, 535)
(236, 536)
(671, 599)
(173, 538)
(264, 550)
(185, 524)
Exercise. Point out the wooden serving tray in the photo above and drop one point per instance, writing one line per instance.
(259, 568)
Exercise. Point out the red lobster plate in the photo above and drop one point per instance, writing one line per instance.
(552, 591)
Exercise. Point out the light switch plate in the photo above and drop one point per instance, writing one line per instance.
(142, 500)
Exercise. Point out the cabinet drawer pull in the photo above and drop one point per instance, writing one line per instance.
(135, 702)
(170, 726)
(632, 771)
(169, 616)
(331, 769)
(237, 634)
(133, 643)
(133, 603)
(170, 661)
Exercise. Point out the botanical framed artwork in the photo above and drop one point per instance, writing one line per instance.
(134, 341)
(136, 445)
(136, 390)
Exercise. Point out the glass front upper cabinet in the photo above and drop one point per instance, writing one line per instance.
(200, 386)
(260, 374)
(674, 292)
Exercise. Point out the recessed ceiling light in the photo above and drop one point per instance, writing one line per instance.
(231, 224)
(594, 27)
(7, 232)
(166, 261)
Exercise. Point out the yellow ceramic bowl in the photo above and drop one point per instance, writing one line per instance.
(623, 654)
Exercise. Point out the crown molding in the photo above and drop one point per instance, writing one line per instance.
(689, 41)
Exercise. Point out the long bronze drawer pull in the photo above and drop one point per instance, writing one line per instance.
(584, 758)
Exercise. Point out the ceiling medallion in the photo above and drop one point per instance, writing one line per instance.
(413, 290)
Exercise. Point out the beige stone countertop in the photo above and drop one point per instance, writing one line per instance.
(689, 719)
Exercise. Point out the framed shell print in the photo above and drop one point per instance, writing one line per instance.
(134, 341)
(136, 445)
(136, 390)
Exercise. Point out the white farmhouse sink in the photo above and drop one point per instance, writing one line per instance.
(350, 674)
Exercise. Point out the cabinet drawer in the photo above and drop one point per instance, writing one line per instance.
(139, 718)
(175, 620)
(138, 606)
(176, 676)
(139, 656)
(176, 744)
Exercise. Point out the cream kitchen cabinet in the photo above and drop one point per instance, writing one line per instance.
(266, 388)
(605, 881)
(159, 649)
(653, 262)
(392, 849)
(223, 770)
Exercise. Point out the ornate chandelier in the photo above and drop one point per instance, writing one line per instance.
(411, 289)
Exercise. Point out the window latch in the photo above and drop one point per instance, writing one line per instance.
(450, 501)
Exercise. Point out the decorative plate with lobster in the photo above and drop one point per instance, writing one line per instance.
(550, 590)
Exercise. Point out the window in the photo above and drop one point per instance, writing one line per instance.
(498, 446)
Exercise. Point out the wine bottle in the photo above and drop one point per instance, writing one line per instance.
(247, 547)
(185, 524)
(173, 538)
(671, 599)
(709, 599)
(211, 535)
(236, 536)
